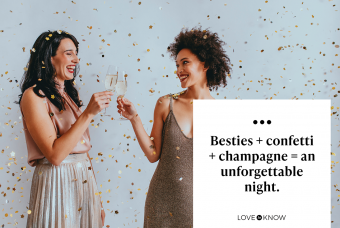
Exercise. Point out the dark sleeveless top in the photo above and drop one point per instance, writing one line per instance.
(169, 202)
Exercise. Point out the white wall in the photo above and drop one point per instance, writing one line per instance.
(246, 26)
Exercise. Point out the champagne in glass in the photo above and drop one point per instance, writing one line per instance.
(111, 79)
(121, 88)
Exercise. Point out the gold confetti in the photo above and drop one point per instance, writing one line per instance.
(138, 4)
(50, 35)
(52, 96)
(151, 138)
(177, 148)
(47, 38)
(29, 212)
(139, 170)
(129, 34)
(148, 50)
(150, 27)
(205, 37)
(79, 209)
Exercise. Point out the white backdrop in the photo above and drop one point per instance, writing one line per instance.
(286, 50)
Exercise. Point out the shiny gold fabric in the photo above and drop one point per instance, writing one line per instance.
(169, 202)
(64, 196)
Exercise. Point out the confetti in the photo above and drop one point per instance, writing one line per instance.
(52, 96)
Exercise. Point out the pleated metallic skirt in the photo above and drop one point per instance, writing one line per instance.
(64, 196)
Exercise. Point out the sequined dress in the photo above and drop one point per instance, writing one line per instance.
(169, 202)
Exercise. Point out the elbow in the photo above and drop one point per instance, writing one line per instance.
(153, 160)
(54, 161)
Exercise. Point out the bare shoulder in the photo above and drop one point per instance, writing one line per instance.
(32, 100)
(163, 106)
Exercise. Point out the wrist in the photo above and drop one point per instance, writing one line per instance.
(134, 119)
(87, 115)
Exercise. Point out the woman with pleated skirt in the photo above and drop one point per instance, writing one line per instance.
(64, 191)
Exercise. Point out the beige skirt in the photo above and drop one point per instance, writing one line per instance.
(64, 196)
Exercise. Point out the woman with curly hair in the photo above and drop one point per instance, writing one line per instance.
(202, 66)
(63, 191)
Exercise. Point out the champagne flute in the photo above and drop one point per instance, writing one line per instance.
(111, 79)
(121, 88)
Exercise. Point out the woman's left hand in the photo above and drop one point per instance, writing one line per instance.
(103, 217)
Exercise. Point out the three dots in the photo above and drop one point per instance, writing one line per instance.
(262, 122)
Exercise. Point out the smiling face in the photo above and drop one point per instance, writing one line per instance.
(190, 70)
(65, 59)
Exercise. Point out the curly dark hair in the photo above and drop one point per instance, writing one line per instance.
(41, 73)
(208, 48)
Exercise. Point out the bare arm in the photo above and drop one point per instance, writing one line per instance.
(151, 146)
(42, 129)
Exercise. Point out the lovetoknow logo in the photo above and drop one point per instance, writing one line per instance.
(261, 217)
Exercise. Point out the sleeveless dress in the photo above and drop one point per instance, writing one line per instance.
(169, 202)
(63, 196)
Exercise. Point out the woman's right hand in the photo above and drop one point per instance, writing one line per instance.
(98, 102)
(126, 108)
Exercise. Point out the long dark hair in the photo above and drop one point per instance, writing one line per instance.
(41, 73)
